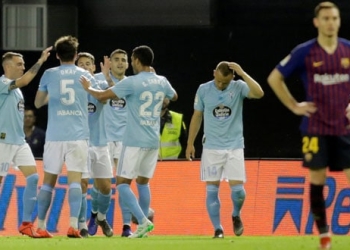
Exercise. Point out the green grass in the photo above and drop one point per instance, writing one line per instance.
(173, 243)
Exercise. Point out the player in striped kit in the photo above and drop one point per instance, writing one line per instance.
(323, 65)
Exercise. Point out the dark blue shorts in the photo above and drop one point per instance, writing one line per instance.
(321, 151)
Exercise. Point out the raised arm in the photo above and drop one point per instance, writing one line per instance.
(255, 89)
(31, 73)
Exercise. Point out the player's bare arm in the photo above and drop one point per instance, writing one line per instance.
(41, 99)
(276, 82)
(255, 89)
(196, 122)
(31, 73)
(105, 68)
(101, 95)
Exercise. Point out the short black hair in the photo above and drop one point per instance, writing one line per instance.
(144, 54)
(66, 48)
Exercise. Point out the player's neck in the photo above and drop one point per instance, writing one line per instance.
(119, 77)
(329, 44)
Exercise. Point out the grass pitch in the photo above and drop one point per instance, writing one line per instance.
(173, 243)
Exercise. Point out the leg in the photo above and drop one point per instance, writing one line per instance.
(317, 202)
(83, 209)
(143, 189)
(29, 200)
(74, 197)
(44, 202)
(104, 200)
(237, 196)
(92, 226)
(126, 214)
(213, 206)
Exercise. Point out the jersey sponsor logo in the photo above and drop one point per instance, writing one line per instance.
(91, 108)
(317, 64)
(345, 62)
(285, 60)
(20, 106)
(69, 112)
(117, 104)
(328, 79)
(222, 112)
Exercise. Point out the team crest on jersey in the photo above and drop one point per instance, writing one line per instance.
(117, 104)
(2, 136)
(91, 108)
(345, 62)
(222, 112)
(20, 106)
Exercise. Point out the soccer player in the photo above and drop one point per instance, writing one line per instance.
(220, 101)
(323, 64)
(115, 119)
(99, 163)
(144, 94)
(67, 131)
(13, 146)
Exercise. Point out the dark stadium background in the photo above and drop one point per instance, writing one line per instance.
(189, 38)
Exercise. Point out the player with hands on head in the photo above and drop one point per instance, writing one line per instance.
(220, 102)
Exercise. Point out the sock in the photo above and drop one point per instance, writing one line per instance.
(82, 214)
(144, 197)
(213, 205)
(103, 204)
(131, 202)
(44, 201)
(126, 214)
(74, 200)
(318, 207)
(237, 197)
(29, 196)
(94, 202)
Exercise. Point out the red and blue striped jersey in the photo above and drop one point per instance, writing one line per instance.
(326, 79)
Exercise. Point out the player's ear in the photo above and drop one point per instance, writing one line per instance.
(214, 73)
(315, 21)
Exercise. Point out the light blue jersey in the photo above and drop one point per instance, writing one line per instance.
(68, 103)
(98, 137)
(115, 114)
(11, 113)
(222, 111)
(144, 94)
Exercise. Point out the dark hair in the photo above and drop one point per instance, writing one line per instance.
(224, 69)
(118, 51)
(66, 48)
(324, 5)
(87, 55)
(9, 55)
(144, 54)
(30, 108)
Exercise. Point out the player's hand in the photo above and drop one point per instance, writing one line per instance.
(190, 152)
(45, 54)
(347, 112)
(85, 82)
(105, 65)
(304, 108)
(236, 68)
